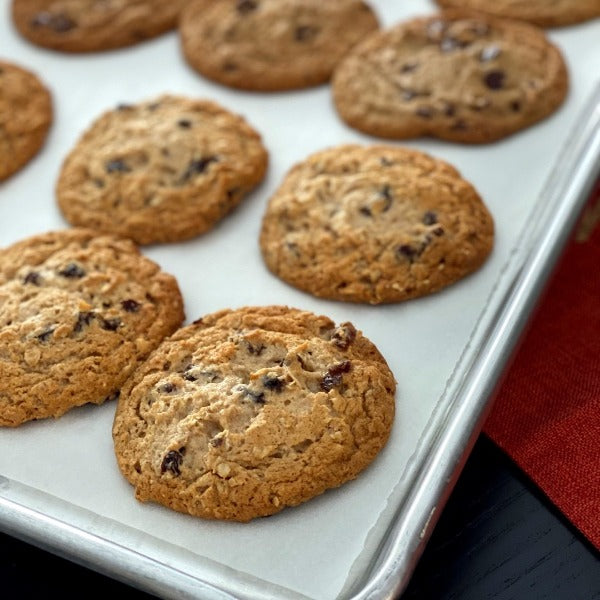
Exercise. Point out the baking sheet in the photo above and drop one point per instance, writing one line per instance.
(64, 471)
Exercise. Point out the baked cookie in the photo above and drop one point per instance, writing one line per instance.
(78, 313)
(25, 117)
(544, 13)
(93, 25)
(459, 77)
(374, 224)
(270, 45)
(248, 411)
(161, 170)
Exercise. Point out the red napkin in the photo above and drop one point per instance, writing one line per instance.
(546, 416)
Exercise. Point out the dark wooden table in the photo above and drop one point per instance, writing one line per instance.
(497, 539)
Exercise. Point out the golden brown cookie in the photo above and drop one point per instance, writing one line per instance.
(78, 313)
(25, 117)
(93, 25)
(163, 170)
(457, 76)
(544, 13)
(248, 411)
(269, 45)
(374, 224)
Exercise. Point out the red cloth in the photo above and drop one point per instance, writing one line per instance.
(546, 415)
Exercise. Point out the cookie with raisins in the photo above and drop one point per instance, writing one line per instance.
(374, 224)
(538, 12)
(269, 45)
(93, 25)
(248, 411)
(457, 76)
(78, 313)
(162, 170)
(25, 117)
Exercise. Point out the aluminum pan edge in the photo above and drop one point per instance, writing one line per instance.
(445, 445)
(466, 401)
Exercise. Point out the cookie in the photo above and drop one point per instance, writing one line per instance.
(78, 313)
(160, 171)
(25, 117)
(93, 25)
(269, 45)
(248, 411)
(374, 224)
(538, 12)
(455, 76)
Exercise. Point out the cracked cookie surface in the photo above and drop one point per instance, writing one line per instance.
(251, 410)
(544, 13)
(93, 25)
(160, 171)
(269, 45)
(25, 117)
(456, 76)
(78, 313)
(374, 224)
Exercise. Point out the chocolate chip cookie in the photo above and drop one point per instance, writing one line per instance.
(163, 170)
(78, 313)
(459, 77)
(544, 13)
(25, 117)
(248, 411)
(93, 25)
(374, 224)
(269, 45)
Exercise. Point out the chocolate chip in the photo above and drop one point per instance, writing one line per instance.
(130, 305)
(407, 251)
(184, 123)
(72, 271)
(83, 320)
(172, 462)
(116, 165)
(45, 335)
(424, 112)
(438, 231)
(408, 67)
(33, 277)
(429, 218)
(305, 33)
(167, 388)
(257, 397)
(256, 350)
(333, 377)
(246, 6)
(494, 79)
(59, 23)
(344, 336)
(274, 384)
(515, 105)
(110, 324)
(489, 53)
(197, 166)
(448, 109)
(386, 194)
(366, 211)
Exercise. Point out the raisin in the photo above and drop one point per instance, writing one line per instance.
(33, 277)
(255, 350)
(257, 397)
(72, 271)
(494, 79)
(408, 67)
(172, 462)
(344, 336)
(366, 211)
(438, 231)
(305, 33)
(45, 335)
(429, 218)
(273, 384)
(110, 324)
(386, 194)
(333, 377)
(116, 165)
(246, 6)
(168, 387)
(515, 106)
(407, 251)
(197, 166)
(130, 305)
(489, 53)
(83, 320)
(184, 123)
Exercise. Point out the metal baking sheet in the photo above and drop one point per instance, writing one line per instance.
(60, 486)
